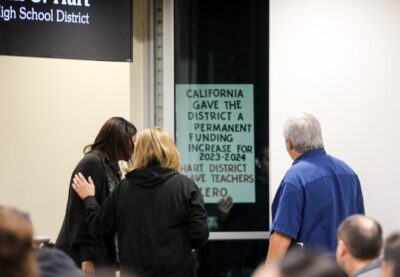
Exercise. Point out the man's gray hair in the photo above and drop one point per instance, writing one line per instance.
(304, 132)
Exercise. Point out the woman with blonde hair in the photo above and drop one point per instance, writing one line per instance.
(158, 214)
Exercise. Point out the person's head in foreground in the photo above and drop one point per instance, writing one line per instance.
(359, 244)
(297, 263)
(391, 256)
(17, 255)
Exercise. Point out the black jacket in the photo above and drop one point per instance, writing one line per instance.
(159, 216)
(74, 237)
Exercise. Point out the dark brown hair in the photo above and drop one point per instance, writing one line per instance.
(17, 256)
(362, 235)
(114, 139)
(308, 263)
(391, 252)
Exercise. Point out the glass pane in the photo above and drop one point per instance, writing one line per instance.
(221, 47)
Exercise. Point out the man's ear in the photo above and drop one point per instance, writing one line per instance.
(289, 145)
(342, 247)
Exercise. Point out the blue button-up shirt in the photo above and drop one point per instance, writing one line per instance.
(317, 193)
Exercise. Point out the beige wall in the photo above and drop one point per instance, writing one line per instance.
(49, 110)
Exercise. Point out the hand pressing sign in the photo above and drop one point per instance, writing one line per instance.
(225, 205)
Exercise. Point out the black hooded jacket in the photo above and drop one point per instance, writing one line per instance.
(160, 217)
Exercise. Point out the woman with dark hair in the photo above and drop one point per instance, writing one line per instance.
(114, 142)
(159, 214)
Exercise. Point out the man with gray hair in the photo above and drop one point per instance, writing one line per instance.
(317, 193)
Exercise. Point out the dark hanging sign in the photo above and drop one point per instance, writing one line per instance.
(75, 29)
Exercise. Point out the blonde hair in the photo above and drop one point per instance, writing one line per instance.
(155, 147)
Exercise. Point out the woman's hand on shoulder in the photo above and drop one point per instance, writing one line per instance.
(84, 188)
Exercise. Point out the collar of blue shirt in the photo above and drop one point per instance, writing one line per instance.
(310, 154)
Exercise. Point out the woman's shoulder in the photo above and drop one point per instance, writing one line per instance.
(181, 176)
(91, 159)
(93, 156)
(178, 177)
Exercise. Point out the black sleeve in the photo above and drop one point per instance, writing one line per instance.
(197, 224)
(82, 239)
(102, 220)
